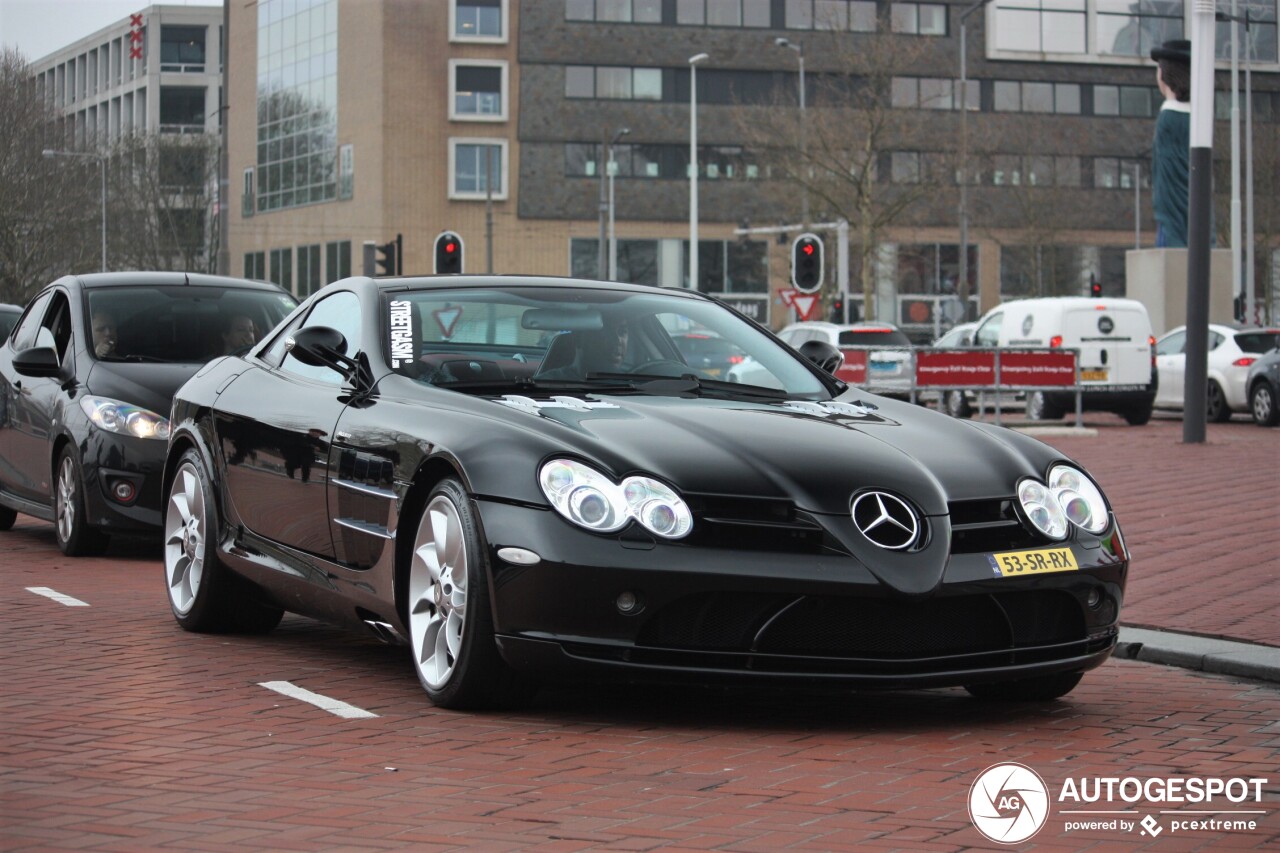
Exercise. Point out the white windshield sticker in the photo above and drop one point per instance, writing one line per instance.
(401, 333)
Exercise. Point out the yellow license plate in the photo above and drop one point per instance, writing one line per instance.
(1016, 564)
(1093, 376)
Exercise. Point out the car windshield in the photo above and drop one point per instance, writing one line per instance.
(874, 338)
(557, 339)
(180, 323)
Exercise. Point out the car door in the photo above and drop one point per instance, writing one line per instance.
(13, 412)
(274, 426)
(37, 405)
(1171, 365)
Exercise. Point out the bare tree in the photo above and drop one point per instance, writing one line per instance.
(50, 212)
(859, 157)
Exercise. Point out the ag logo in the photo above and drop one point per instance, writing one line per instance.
(1027, 322)
(1008, 803)
(1106, 325)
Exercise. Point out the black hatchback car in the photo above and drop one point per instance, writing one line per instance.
(86, 380)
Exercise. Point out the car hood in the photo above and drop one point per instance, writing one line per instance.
(151, 386)
(816, 454)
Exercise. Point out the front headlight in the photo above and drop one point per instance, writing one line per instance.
(124, 418)
(1041, 509)
(591, 500)
(1081, 500)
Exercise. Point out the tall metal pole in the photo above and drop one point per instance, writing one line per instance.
(488, 210)
(804, 160)
(602, 262)
(964, 154)
(1199, 201)
(1236, 263)
(1249, 267)
(612, 167)
(693, 167)
(1137, 205)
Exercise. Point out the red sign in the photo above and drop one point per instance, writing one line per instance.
(1037, 368)
(943, 369)
(854, 368)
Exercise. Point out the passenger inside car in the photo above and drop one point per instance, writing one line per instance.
(104, 334)
(574, 355)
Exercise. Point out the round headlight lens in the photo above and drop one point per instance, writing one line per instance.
(1080, 499)
(1041, 509)
(124, 419)
(591, 500)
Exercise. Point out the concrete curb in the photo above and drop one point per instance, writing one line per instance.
(1227, 657)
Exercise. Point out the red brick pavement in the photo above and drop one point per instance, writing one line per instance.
(1202, 521)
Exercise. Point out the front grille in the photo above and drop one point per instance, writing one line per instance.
(753, 524)
(859, 633)
(983, 526)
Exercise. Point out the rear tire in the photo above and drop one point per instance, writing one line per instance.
(1040, 409)
(1138, 415)
(449, 619)
(1043, 688)
(70, 521)
(1216, 409)
(7, 517)
(204, 595)
(1262, 404)
(956, 404)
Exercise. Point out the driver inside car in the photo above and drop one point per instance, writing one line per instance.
(598, 351)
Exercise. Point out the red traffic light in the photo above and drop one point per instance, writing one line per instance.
(451, 247)
(807, 248)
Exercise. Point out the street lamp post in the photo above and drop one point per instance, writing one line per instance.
(964, 152)
(1239, 279)
(693, 167)
(102, 161)
(804, 183)
(611, 168)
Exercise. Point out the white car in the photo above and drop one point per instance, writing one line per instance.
(889, 363)
(1231, 351)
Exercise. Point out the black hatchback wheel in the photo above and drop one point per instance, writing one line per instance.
(1262, 404)
(75, 536)
(1216, 409)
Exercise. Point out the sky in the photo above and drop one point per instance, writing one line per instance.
(39, 27)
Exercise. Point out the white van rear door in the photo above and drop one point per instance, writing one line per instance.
(1114, 343)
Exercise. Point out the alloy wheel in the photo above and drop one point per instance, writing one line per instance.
(438, 592)
(66, 509)
(184, 538)
(1263, 404)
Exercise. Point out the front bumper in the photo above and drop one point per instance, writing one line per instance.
(106, 459)
(819, 618)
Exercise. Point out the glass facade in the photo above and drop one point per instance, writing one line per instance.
(297, 103)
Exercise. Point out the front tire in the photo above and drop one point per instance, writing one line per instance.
(956, 404)
(70, 521)
(1043, 688)
(1216, 408)
(450, 624)
(1262, 404)
(204, 595)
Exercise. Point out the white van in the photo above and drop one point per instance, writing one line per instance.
(1113, 336)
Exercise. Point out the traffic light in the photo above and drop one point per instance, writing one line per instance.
(391, 256)
(448, 254)
(806, 263)
(1095, 287)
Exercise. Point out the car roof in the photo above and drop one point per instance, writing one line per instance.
(6, 307)
(161, 278)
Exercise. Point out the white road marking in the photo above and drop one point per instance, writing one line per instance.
(57, 596)
(324, 703)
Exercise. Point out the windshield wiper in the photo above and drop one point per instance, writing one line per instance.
(690, 383)
(526, 385)
(135, 357)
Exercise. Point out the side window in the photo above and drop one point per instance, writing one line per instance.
(24, 335)
(57, 326)
(1173, 344)
(340, 311)
(1215, 340)
(988, 334)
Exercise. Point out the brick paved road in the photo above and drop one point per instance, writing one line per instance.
(120, 732)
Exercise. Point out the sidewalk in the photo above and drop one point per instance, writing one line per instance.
(1202, 522)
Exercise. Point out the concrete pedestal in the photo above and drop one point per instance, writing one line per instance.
(1158, 279)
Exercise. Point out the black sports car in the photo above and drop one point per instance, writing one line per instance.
(523, 480)
(86, 379)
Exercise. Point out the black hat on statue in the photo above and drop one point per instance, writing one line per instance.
(1178, 50)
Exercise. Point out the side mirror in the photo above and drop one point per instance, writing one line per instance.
(826, 356)
(320, 346)
(37, 361)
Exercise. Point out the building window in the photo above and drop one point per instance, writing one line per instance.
(255, 265)
(613, 82)
(1132, 29)
(282, 268)
(614, 11)
(905, 167)
(857, 16)
(475, 165)
(931, 93)
(337, 261)
(478, 90)
(297, 103)
(182, 49)
(1117, 173)
(246, 195)
(919, 19)
(181, 109)
(1043, 26)
(1027, 97)
(478, 20)
(308, 269)
(346, 171)
(1127, 101)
